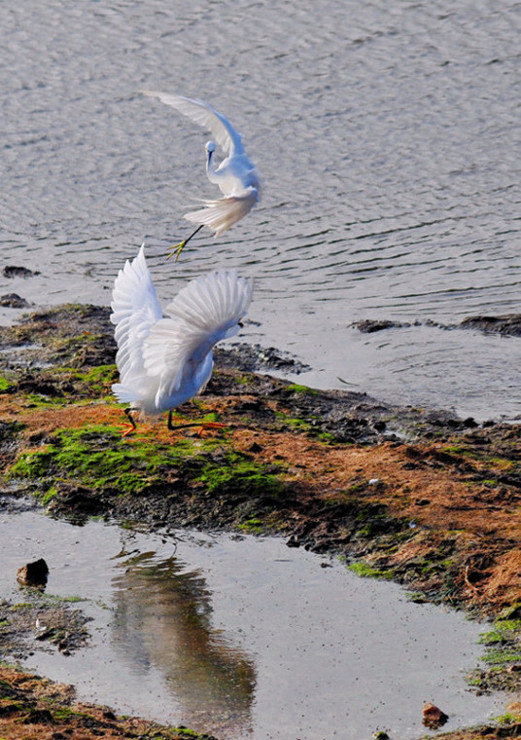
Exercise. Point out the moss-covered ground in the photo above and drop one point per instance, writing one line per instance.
(413, 495)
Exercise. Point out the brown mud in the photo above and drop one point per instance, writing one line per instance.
(412, 494)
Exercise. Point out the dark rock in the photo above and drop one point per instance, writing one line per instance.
(13, 300)
(13, 271)
(38, 385)
(507, 325)
(368, 326)
(33, 574)
(252, 358)
(38, 716)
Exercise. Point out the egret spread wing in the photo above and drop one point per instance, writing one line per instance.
(206, 116)
(207, 310)
(135, 310)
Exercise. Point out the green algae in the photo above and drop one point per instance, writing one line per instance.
(238, 472)
(368, 571)
(95, 381)
(96, 457)
(502, 658)
(253, 525)
(304, 389)
(6, 385)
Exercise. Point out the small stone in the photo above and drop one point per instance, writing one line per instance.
(13, 271)
(293, 542)
(433, 717)
(13, 300)
(33, 574)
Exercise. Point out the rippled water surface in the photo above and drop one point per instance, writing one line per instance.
(387, 137)
(245, 637)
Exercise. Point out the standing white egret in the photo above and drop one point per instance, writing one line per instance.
(236, 175)
(165, 361)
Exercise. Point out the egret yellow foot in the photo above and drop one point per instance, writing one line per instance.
(176, 250)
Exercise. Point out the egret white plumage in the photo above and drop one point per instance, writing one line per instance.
(236, 175)
(164, 361)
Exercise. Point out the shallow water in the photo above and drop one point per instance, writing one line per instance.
(387, 138)
(243, 636)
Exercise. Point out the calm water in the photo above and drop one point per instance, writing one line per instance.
(245, 638)
(388, 139)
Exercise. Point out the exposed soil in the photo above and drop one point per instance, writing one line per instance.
(417, 495)
(34, 708)
(506, 325)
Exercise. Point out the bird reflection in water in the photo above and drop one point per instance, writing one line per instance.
(163, 619)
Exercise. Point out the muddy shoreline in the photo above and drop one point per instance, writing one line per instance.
(417, 495)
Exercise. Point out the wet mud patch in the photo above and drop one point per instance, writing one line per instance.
(508, 325)
(40, 622)
(34, 708)
(420, 496)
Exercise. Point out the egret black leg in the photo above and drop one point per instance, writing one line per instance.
(128, 414)
(201, 424)
(178, 248)
(180, 426)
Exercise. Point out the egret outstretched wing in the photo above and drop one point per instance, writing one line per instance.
(135, 309)
(206, 116)
(165, 361)
(206, 311)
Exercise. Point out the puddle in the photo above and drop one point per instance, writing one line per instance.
(244, 637)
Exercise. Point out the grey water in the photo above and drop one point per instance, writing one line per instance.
(387, 135)
(243, 636)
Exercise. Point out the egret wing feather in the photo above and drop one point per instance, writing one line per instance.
(206, 311)
(206, 116)
(135, 310)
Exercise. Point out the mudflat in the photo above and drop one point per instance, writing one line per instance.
(411, 494)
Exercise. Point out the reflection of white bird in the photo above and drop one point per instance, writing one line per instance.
(236, 175)
(165, 361)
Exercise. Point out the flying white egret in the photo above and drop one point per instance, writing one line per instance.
(165, 361)
(236, 175)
